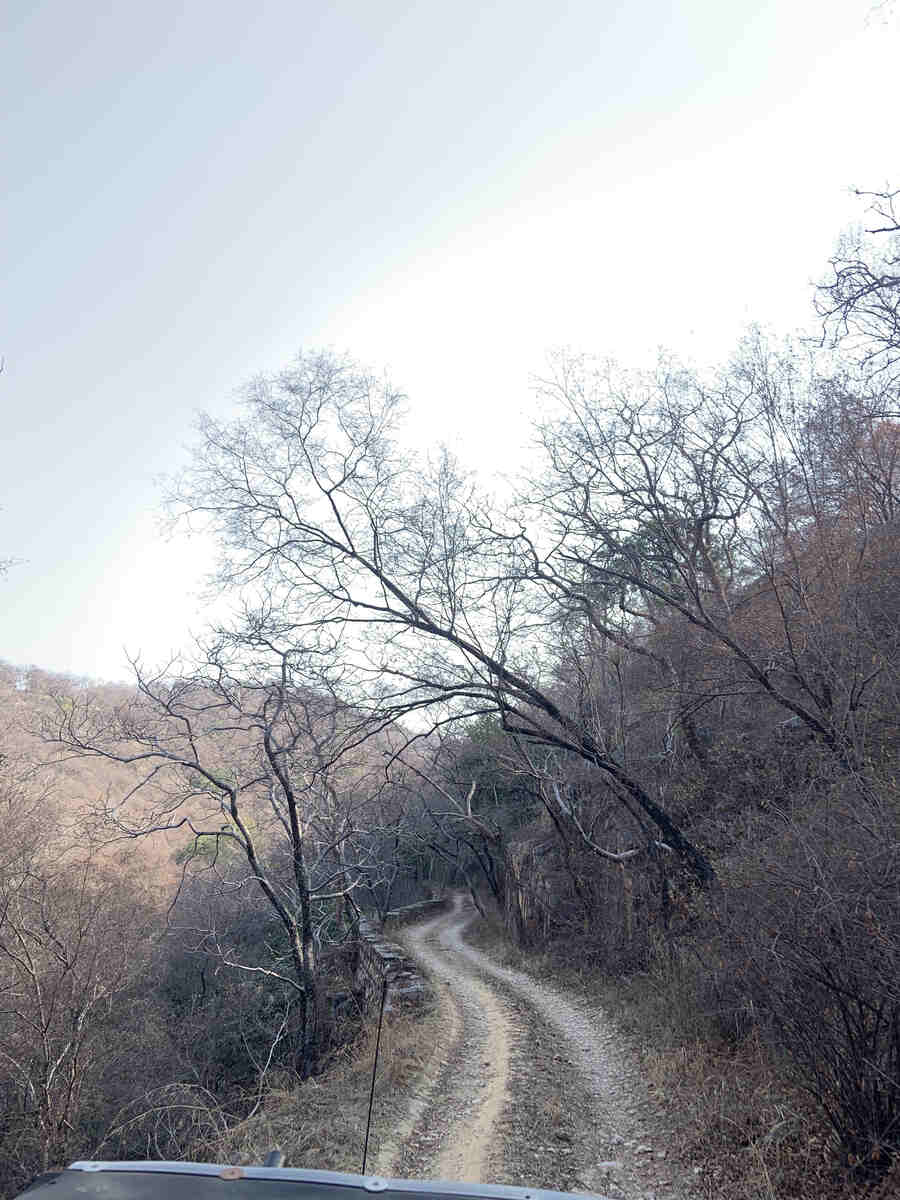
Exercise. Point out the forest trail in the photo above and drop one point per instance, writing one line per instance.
(526, 1085)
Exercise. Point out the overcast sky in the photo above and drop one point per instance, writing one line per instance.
(450, 190)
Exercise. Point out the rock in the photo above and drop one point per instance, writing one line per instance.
(611, 1164)
(644, 1150)
(661, 1154)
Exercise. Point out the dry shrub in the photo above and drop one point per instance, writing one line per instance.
(165, 1123)
(320, 1123)
(734, 1106)
(734, 1098)
(811, 941)
(753, 1133)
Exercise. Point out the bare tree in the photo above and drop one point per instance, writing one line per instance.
(859, 302)
(675, 502)
(73, 944)
(397, 577)
(249, 763)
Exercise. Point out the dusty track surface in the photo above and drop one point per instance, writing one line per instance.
(527, 1085)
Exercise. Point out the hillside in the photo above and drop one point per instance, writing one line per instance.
(169, 953)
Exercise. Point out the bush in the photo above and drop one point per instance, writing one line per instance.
(812, 940)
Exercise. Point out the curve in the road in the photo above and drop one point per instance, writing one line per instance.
(455, 1128)
(449, 1131)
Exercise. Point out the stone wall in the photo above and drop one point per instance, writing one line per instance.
(420, 911)
(378, 959)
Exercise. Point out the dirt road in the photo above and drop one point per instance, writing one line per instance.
(526, 1085)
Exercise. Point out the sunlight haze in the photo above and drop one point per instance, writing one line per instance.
(196, 190)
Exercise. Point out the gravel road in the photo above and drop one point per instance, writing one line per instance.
(526, 1085)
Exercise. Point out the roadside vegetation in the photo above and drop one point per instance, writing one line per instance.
(147, 1004)
(644, 704)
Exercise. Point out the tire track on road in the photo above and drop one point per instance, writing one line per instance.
(527, 1085)
(450, 1131)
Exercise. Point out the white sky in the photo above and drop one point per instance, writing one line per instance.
(195, 190)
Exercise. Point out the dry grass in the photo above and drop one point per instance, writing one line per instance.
(739, 1112)
(320, 1124)
(751, 1134)
(755, 1134)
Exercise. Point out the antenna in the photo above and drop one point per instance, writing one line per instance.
(374, 1069)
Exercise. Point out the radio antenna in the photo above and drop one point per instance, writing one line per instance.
(374, 1070)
